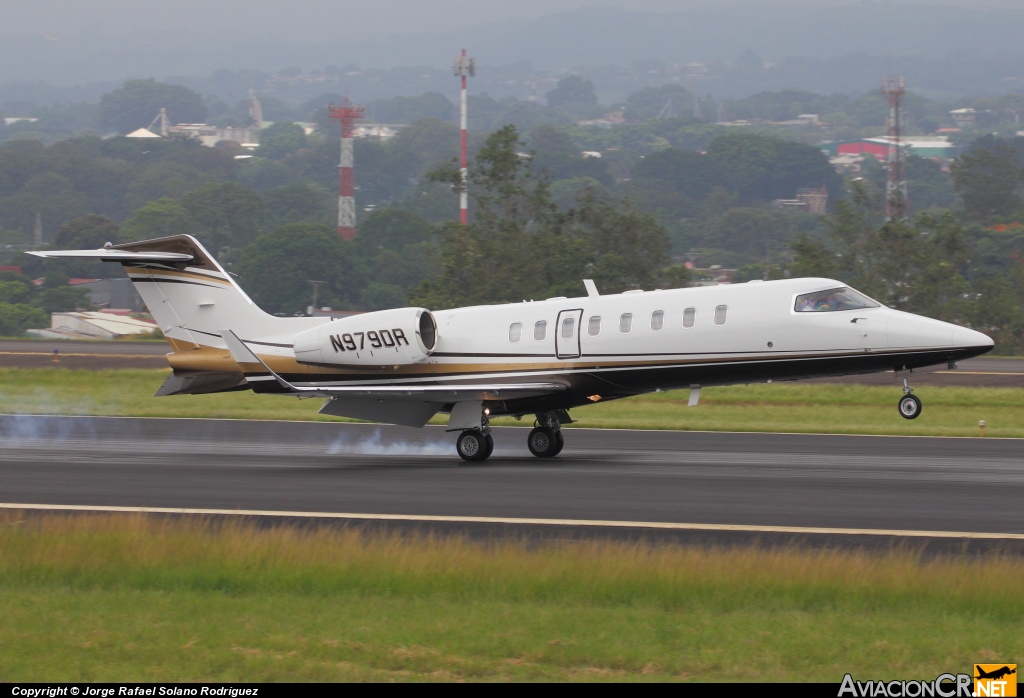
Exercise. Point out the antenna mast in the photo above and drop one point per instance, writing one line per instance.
(463, 68)
(347, 114)
(894, 87)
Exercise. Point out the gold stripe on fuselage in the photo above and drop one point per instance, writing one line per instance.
(208, 358)
(189, 275)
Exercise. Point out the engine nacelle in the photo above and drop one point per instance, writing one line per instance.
(395, 337)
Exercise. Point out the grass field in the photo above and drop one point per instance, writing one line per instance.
(127, 598)
(799, 407)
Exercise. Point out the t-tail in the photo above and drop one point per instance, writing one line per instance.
(192, 299)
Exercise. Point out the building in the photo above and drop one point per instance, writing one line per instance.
(111, 293)
(93, 325)
(922, 146)
(212, 135)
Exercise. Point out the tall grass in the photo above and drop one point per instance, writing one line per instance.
(139, 552)
(121, 597)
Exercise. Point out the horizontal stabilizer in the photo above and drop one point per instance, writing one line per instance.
(114, 255)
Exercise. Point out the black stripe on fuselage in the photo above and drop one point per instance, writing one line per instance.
(166, 280)
(680, 375)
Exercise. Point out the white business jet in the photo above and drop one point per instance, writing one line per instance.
(542, 358)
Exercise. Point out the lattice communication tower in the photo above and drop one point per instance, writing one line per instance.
(347, 114)
(896, 201)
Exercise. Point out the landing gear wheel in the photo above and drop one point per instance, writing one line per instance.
(544, 442)
(910, 406)
(490, 446)
(473, 445)
(559, 443)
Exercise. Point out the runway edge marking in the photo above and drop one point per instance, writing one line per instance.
(743, 528)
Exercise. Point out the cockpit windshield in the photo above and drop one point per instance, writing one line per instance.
(832, 299)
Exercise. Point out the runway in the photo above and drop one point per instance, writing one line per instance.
(702, 487)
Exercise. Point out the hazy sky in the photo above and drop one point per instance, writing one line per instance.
(321, 19)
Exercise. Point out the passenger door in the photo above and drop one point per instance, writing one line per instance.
(567, 334)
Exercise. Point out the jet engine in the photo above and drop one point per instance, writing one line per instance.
(395, 337)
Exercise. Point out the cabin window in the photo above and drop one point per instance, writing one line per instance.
(540, 330)
(689, 315)
(594, 326)
(720, 312)
(626, 323)
(515, 332)
(831, 300)
(657, 320)
(568, 327)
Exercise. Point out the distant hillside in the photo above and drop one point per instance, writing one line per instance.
(950, 48)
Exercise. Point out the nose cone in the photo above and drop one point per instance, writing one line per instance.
(909, 331)
(964, 338)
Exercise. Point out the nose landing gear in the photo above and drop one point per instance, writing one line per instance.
(909, 405)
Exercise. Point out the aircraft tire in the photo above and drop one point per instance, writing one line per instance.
(472, 446)
(490, 446)
(543, 442)
(909, 406)
(559, 443)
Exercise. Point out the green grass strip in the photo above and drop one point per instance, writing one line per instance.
(797, 407)
(116, 598)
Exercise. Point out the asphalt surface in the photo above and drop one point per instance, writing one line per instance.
(984, 371)
(690, 487)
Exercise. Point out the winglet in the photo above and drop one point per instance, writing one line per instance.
(252, 366)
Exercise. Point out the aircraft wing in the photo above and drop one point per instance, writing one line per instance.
(258, 372)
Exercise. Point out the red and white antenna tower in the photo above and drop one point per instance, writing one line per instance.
(347, 114)
(896, 201)
(463, 68)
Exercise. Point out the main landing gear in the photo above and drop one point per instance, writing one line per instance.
(544, 441)
(476, 444)
(910, 404)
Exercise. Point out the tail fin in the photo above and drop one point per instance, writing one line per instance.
(189, 294)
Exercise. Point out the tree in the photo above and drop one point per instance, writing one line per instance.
(161, 218)
(916, 266)
(280, 139)
(664, 102)
(391, 229)
(276, 268)
(13, 292)
(299, 201)
(62, 299)
(762, 168)
(15, 318)
(87, 233)
(518, 245)
(137, 102)
(758, 234)
(988, 180)
(572, 90)
(560, 158)
(228, 214)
